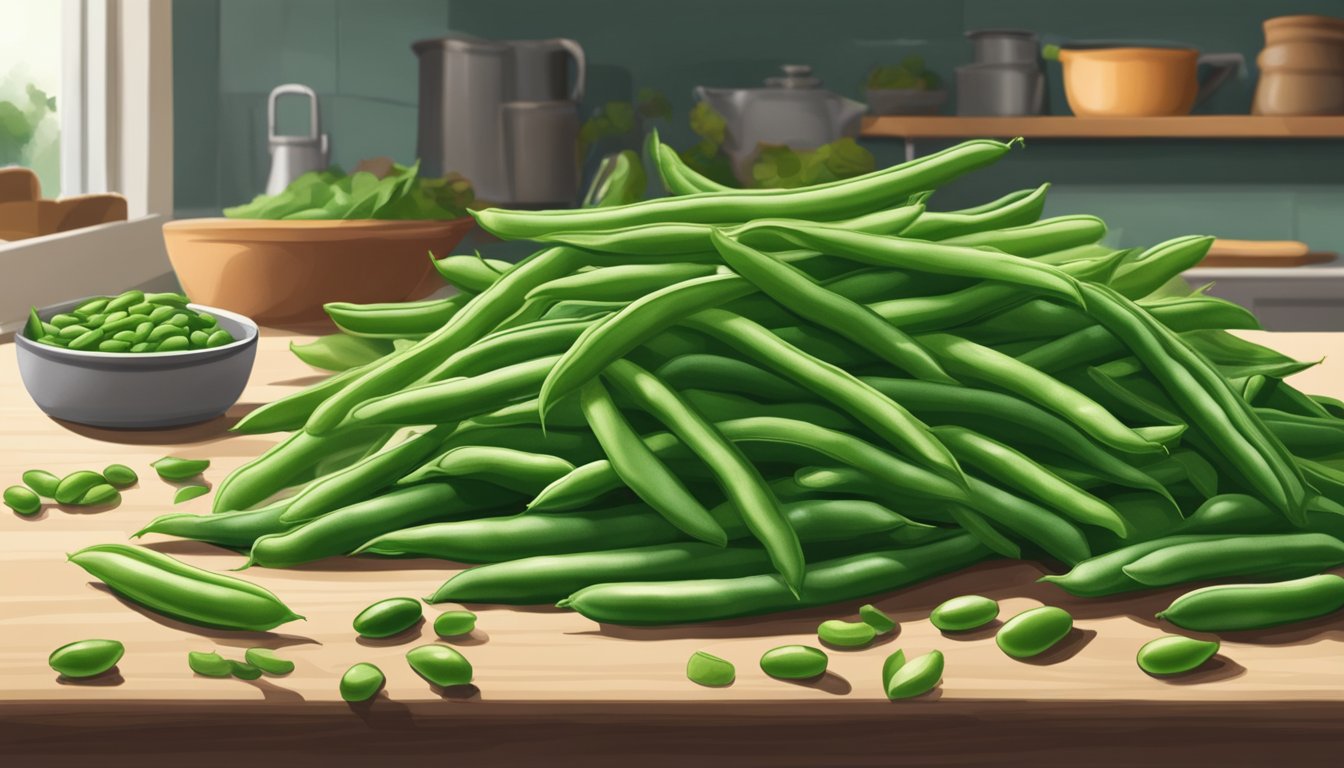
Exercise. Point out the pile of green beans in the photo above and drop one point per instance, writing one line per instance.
(725, 403)
(133, 321)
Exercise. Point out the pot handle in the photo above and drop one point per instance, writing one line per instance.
(298, 89)
(580, 67)
(1224, 65)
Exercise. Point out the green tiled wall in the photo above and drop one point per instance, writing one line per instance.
(356, 54)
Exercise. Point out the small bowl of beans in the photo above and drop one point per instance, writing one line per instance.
(135, 360)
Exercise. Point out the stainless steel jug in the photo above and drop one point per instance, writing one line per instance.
(465, 83)
(293, 156)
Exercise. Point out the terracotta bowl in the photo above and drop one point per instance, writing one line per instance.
(282, 272)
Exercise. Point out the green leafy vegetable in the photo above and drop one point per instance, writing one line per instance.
(910, 74)
(332, 194)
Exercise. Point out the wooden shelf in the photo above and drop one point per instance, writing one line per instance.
(1067, 127)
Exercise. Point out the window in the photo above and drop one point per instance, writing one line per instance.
(30, 79)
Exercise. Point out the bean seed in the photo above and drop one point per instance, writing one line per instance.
(440, 665)
(63, 320)
(113, 317)
(847, 634)
(1034, 632)
(1174, 654)
(361, 682)
(141, 308)
(266, 660)
(95, 320)
(174, 344)
(963, 613)
(891, 666)
(120, 475)
(87, 340)
(388, 617)
(916, 677)
(72, 332)
(219, 338)
(244, 671)
(794, 662)
(189, 492)
(74, 485)
(454, 623)
(198, 338)
(125, 300)
(144, 346)
(208, 664)
(22, 500)
(86, 658)
(98, 495)
(162, 332)
(876, 618)
(709, 670)
(127, 336)
(42, 482)
(161, 314)
(179, 320)
(173, 468)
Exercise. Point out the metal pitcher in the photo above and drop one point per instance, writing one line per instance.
(293, 156)
(465, 83)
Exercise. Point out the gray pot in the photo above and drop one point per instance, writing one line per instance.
(138, 391)
(905, 101)
(1000, 90)
(1005, 46)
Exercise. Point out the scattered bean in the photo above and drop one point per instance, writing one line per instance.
(208, 664)
(388, 617)
(120, 475)
(266, 660)
(916, 677)
(963, 613)
(86, 658)
(361, 682)
(876, 618)
(1034, 632)
(708, 670)
(454, 623)
(173, 468)
(22, 500)
(189, 492)
(847, 634)
(440, 665)
(794, 662)
(1174, 654)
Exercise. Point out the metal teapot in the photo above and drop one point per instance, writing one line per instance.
(793, 110)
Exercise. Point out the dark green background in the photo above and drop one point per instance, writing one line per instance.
(356, 54)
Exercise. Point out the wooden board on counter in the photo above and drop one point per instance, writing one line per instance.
(550, 681)
(1069, 127)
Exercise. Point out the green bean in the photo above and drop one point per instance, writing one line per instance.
(1207, 399)
(86, 658)
(99, 495)
(709, 670)
(963, 613)
(869, 407)
(454, 623)
(740, 481)
(364, 478)
(729, 375)
(1104, 574)
(984, 532)
(42, 482)
(573, 446)
(642, 471)
(973, 361)
(523, 471)
(915, 677)
(267, 661)
(244, 671)
(1015, 469)
(361, 682)
(548, 578)
(284, 464)
(1005, 212)
(581, 309)
(1272, 556)
(840, 200)
(120, 475)
(173, 468)
(341, 352)
(901, 253)
(627, 329)
(208, 664)
(567, 414)
(720, 406)
(1232, 513)
(1306, 435)
(845, 634)
(471, 274)
(74, 485)
(181, 591)
(291, 411)
(1155, 266)
(875, 618)
(794, 662)
(830, 581)
(22, 500)
(1036, 239)
(476, 318)
(890, 666)
(1276, 393)
(1034, 631)
(188, 492)
(1234, 607)
(625, 282)
(229, 529)
(455, 399)
(790, 287)
(513, 345)
(440, 665)
(1174, 654)
(389, 617)
(342, 530)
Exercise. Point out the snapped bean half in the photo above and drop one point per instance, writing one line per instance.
(794, 662)
(963, 613)
(440, 665)
(361, 682)
(388, 617)
(1034, 632)
(86, 658)
(709, 670)
(1175, 654)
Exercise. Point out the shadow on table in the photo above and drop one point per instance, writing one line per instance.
(204, 432)
(239, 638)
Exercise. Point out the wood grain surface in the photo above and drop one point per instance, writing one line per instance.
(546, 677)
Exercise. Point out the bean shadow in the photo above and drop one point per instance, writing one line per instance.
(200, 433)
(241, 638)
(1072, 644)
(272, 693)
(827, 682)
(467, 692)
(381, 711)
(301, 381)
(1214, 670)
(345, 563)
(474, 637)
(108, 679)
(979, 633)
(191, 548)
(87, 509)
(877, 642)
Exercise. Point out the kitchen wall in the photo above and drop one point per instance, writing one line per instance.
(356, 54)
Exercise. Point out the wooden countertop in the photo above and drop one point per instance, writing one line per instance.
(551, 683)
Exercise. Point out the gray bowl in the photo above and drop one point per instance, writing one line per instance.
(138, 391)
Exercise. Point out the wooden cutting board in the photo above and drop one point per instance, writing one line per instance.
(1263, 253)
(550, 683)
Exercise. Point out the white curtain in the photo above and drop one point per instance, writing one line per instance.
(117, 87)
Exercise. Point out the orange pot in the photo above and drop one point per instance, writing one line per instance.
(282, 272)
(1285, 29)
(1139, 82)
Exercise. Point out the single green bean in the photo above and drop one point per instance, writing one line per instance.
(708, 670)
(1174, 654)
(456, 399)
(523, 471)
(1234, 607)
(1036, 239)
(1273, 556)
(472, 274)
(86, 658)
(389, 617)
(915, 677)
(229, 529)
(1104, 574)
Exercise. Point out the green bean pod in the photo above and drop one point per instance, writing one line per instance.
(228, 529)
(284, 464)
(1234, 607)
(831, 581)
(1104, 574)
(1155, 266)
(340, 352)
(523, 471)
(456, 399)
(915, 677)
(624, 282)
(290, 412)
(1037, 238)
(1275, 556)
(181, 591)
(472, 274)
(1174, 654)
(396, 320)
